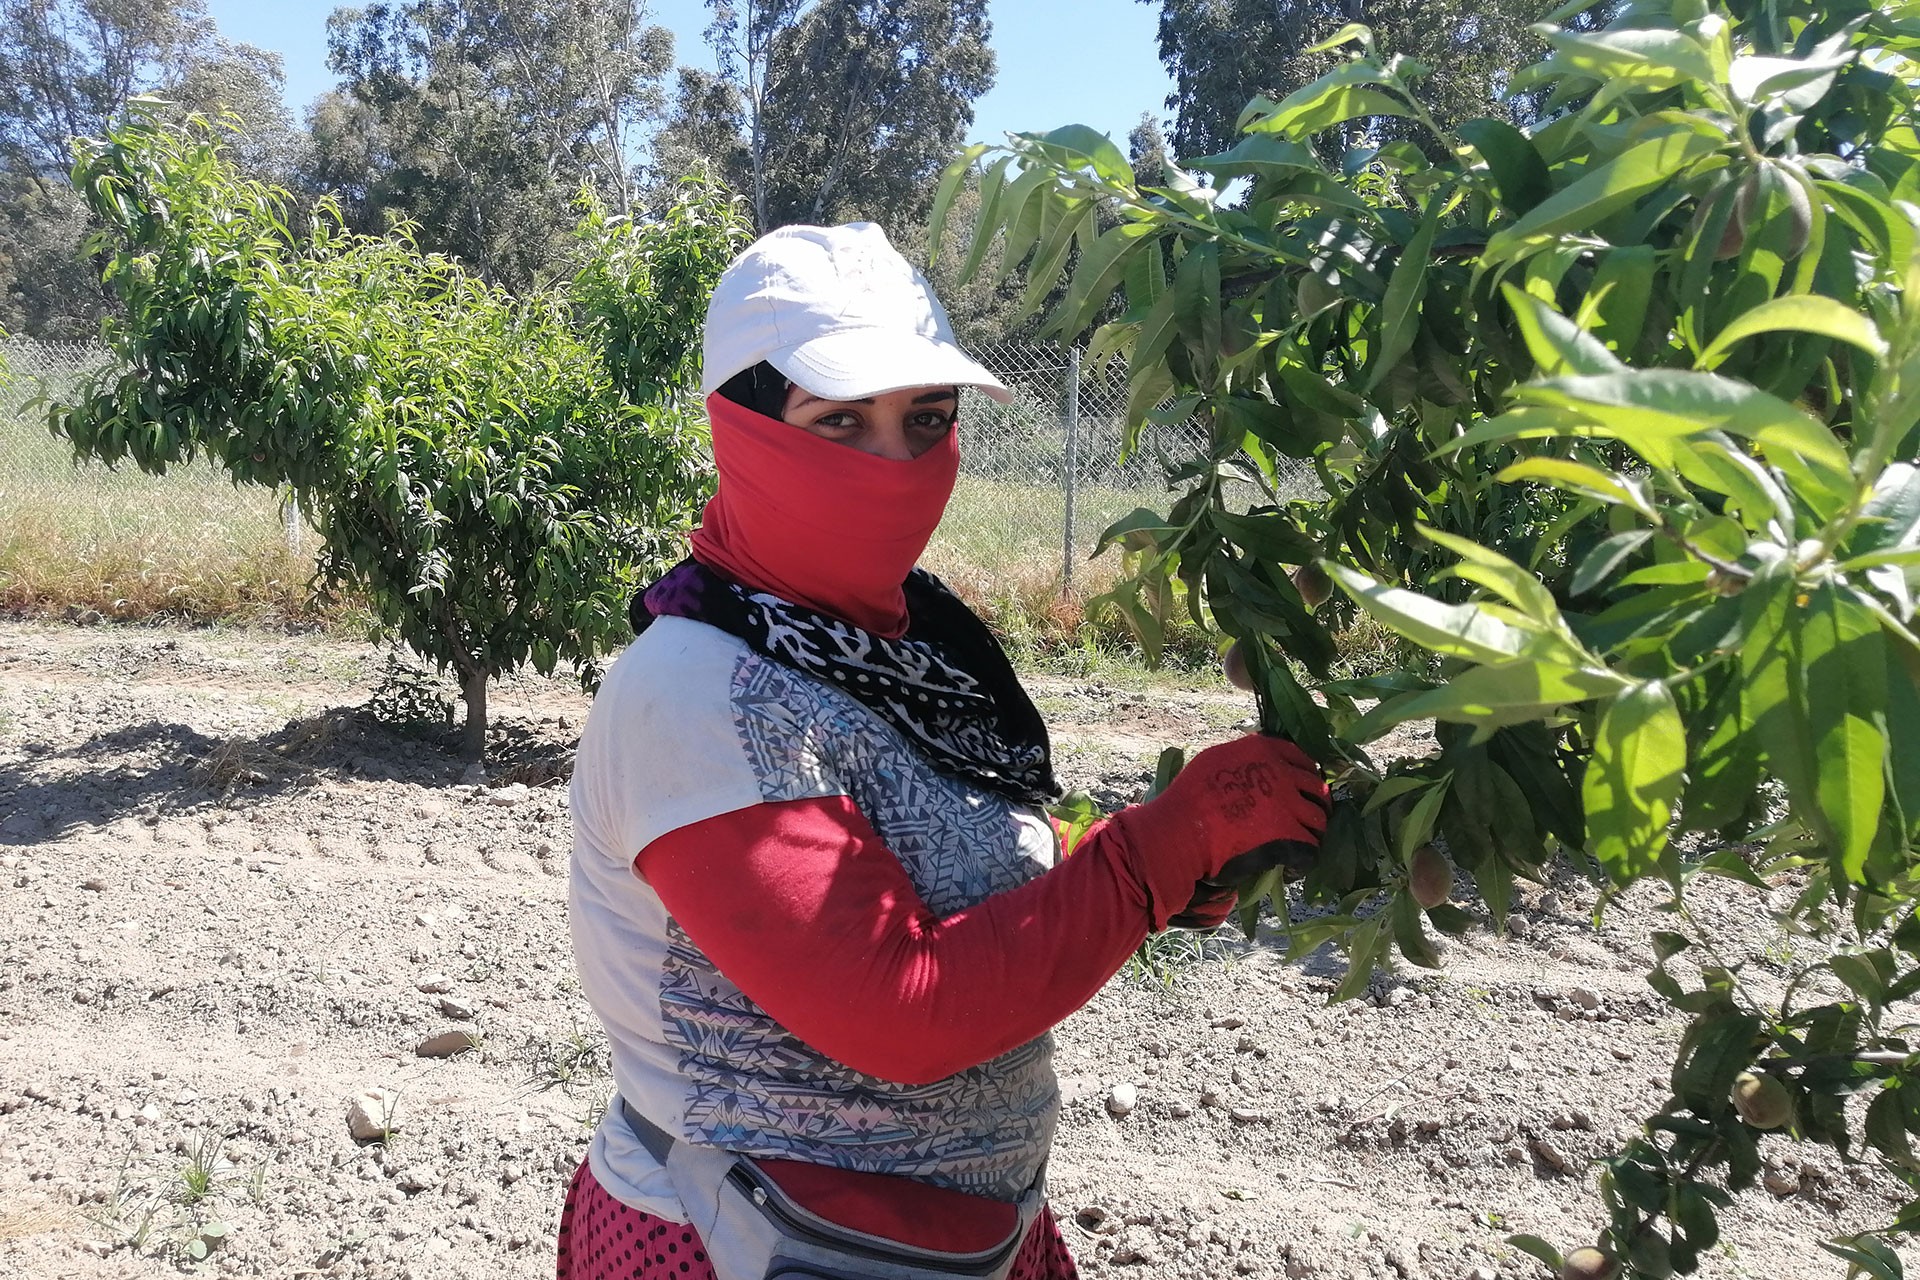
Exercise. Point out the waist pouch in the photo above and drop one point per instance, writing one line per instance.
(753, 1230)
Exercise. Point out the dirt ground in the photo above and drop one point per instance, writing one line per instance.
(234, 901)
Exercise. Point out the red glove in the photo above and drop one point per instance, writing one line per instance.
(1255, 802)
(1211, 906)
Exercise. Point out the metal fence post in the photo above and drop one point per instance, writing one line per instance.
(1070, 425)
(294, 522)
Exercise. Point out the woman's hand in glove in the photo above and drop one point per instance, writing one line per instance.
(1236, 810)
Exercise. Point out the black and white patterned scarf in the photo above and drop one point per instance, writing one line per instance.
(946, 685)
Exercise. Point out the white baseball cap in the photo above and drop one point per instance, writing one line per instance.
(839, 312)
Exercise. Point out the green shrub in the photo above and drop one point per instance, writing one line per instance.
(492, 475)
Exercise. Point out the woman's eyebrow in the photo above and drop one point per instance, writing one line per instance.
(932, 397)
(807, 397)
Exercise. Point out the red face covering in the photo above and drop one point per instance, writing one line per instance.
(818, 523)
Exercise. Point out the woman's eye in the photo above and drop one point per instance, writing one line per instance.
(836, 421)
(932, 421)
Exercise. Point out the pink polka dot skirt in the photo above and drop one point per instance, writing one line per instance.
(602, 1239)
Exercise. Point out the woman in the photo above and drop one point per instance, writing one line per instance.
(815, 899)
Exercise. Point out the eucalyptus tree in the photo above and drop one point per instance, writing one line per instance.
(840, 108)
(67, 70)
(478, 120)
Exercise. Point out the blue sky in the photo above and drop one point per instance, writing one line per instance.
(1088, 62)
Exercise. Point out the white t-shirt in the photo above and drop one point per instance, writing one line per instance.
(689, 724)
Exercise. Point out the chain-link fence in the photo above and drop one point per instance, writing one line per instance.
(81, 507)
(1040, 477)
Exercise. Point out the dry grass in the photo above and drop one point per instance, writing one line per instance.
(33, 1220)
(186, 546)
(52, 567)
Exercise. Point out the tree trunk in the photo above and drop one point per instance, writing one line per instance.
(473, 691)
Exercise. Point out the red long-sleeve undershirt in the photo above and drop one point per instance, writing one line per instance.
(803, 907)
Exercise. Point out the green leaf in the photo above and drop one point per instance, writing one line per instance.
(1517, 586)
(1077, 146)
(1172, 760)
(1196, 307)
(1641, 1185)
(952, 178)
(1647, 407)
(1351, 32)
(1398, 312)
(1773, 694)
(1755, 78)
(1579, 477)
(1530, 755)
(1075, 814)
(1649, 59)
(1150, 526)
(1633, 781)
(1799, 313)
(1411, 935)
(1877, 1261)
(1304, 937)
(1150, 344)
(1519, 174)
(1319, 106)
(1845, 666)
(1287, 431)
(1867, 974)
(1096, 276)
(1724, 775)
(1715, 1049)
(1394, 787)
(1535, 1247)
(1261, 155)
(1025, 205)
(1715, 463)
(1490, 696)
(1903, 739)
(1418, 826)
(1606, 558)
(1669, 573)
(1557, 344)
(992, 182)
(1886, 1126)
(1472, 631)
(1367, 946)
(1309, 388)
(1043, 273)
(1245, 601)
(1623, 289)
(1600, 192)
(1891, 517)
(1270, 536)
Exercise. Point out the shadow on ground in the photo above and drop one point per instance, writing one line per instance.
(162, 768)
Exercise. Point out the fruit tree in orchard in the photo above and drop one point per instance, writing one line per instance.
(493, 475)
(1616, 421)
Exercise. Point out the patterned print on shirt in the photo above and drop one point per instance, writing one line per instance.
(958, 843)
(755, 1088)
